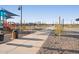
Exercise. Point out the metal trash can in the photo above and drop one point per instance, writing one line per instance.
(1, 36)
(15, 34)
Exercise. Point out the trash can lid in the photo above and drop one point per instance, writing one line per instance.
(1, 32)
(15, 30)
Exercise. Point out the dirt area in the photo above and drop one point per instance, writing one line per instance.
(64, 45)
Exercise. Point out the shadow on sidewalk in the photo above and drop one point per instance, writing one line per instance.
(34, 39)
(22, 45)
(26, 32)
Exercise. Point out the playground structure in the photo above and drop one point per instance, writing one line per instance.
(9, 26)
(4, 15)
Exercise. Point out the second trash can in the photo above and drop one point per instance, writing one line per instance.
(1, 36)
(15, 34)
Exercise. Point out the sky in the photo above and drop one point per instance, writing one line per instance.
(44, 13)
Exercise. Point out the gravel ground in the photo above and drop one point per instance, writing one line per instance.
(64, 45)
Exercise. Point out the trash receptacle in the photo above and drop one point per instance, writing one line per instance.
(1, 36)
(15, 34)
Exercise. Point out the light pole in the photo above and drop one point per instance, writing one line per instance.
(20, 8)
(21, 16)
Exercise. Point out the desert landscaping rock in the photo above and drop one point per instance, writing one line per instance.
(64, 45)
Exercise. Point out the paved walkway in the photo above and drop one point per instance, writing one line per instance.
(29, 44)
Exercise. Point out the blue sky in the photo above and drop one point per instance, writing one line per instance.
(44, 13)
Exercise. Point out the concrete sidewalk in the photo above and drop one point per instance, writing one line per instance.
(29, 44)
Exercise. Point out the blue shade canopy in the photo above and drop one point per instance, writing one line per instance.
(8, 17)
(77, 19)
(6, 14)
